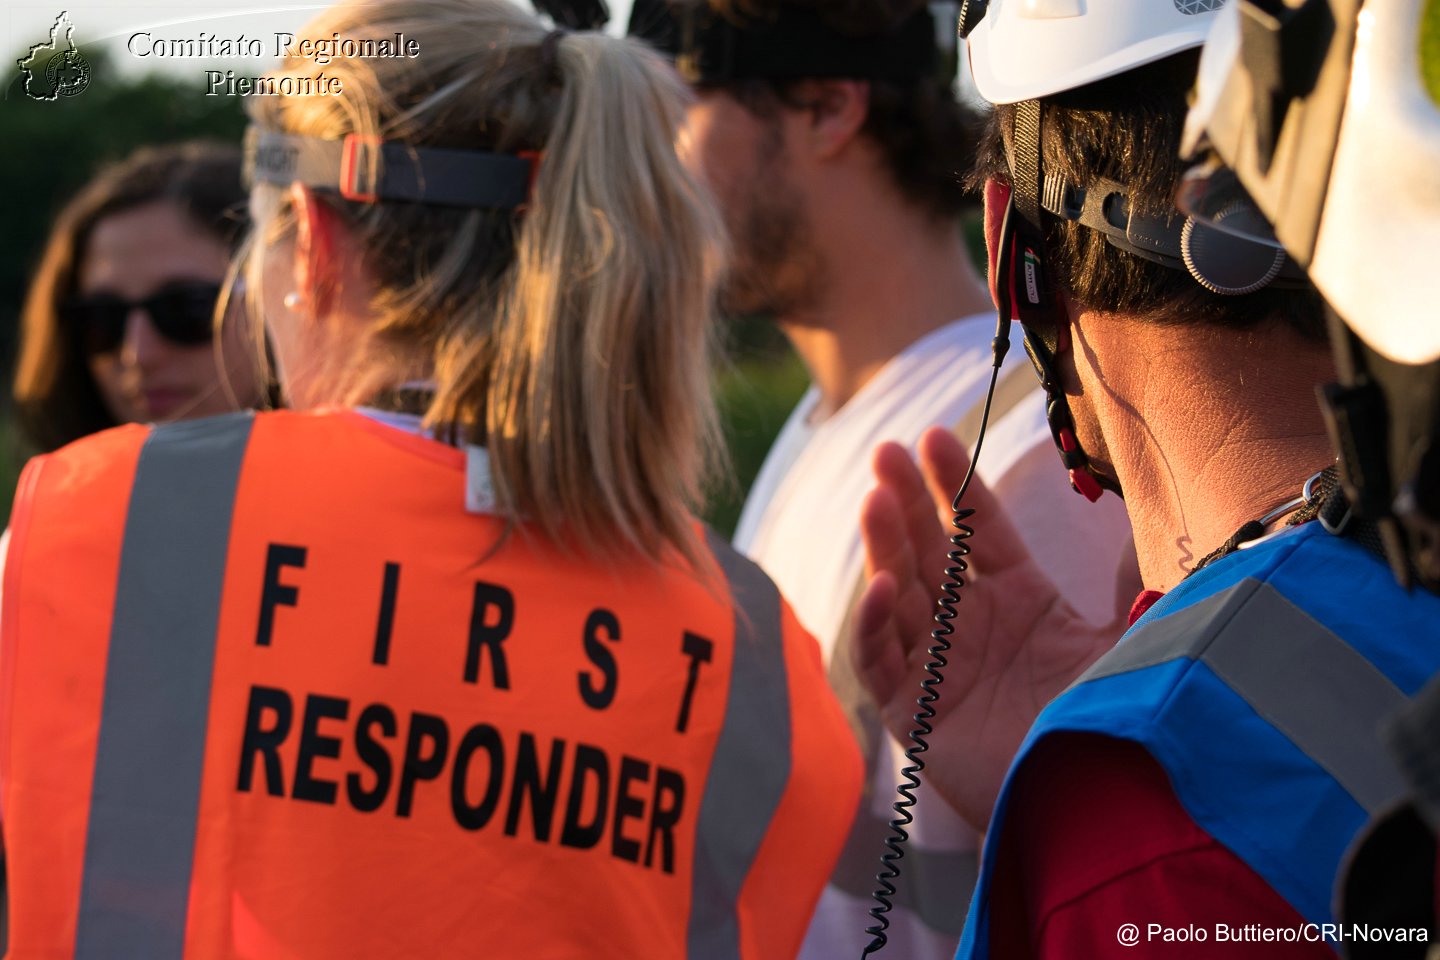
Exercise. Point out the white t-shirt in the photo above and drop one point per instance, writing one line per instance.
(801, 524)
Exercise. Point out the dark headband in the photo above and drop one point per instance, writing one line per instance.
(349, 167)
(797, 43)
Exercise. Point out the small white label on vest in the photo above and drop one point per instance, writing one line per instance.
(1032, 288)
(479, 489)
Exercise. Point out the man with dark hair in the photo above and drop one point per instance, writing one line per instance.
(1313, 179)
(832, 136)
(1199, 783)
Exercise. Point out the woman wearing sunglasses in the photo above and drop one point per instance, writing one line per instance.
(119, 323)
(437, 662)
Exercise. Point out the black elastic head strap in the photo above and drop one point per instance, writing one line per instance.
(797, 43)
(367, 170)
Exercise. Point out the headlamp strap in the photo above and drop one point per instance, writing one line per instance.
(366, 169)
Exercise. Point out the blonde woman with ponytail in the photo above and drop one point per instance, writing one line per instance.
(437, 662)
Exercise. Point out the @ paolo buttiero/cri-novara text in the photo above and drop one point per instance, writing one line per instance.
(225, 83)
(1131, 934)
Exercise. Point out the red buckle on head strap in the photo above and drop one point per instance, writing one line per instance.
(350, 168)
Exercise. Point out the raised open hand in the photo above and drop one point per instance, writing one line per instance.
(1017, 642)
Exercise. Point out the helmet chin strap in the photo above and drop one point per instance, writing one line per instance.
(1024, 294)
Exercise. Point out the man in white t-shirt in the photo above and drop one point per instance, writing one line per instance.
(837, 148)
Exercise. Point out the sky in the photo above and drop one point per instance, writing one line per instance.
(109, 25)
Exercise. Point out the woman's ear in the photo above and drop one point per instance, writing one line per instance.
(316, 249)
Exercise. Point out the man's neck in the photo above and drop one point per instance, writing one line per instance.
(1208, 438)
(887, 282)
(1188, 516)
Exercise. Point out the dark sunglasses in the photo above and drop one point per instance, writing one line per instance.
(182, 313)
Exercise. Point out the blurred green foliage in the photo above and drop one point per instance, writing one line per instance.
(755, 393)
(1430, 48)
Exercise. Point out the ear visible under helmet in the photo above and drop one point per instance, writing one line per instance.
(1022, 52)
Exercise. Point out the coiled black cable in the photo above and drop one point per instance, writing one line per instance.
(955, 569)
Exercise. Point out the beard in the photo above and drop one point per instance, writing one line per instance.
(774, 268)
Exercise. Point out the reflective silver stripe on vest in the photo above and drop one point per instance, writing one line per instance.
(145, 799)
(751, 763)
(1304, 680)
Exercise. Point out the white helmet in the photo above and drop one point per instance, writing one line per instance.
(1348, 169)
(1324, 119)
(1028, 49)
(1024, 50)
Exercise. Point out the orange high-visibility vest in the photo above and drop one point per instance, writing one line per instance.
(269, 691)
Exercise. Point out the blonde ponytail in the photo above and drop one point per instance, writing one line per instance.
(574, 343)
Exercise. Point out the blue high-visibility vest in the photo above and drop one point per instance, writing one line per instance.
(1259, 684)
